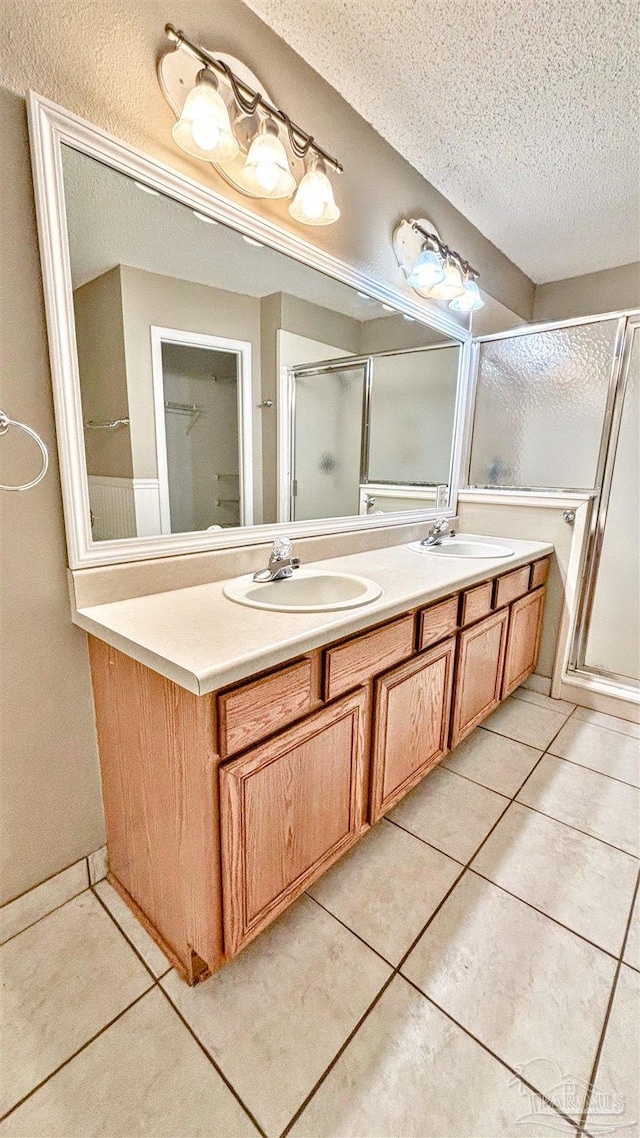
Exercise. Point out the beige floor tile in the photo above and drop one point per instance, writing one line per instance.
(276, 1015)
(631, 953)
(580, 881)
(600, 719)
(526, 722)
(525, 987)
(386, 888)
(19, 914)
(600, 749)
(589, 801)
(559, 705)
(617, 1075)
(153, 956)
(496, 762)
(63, 980)
(145, 1075)
(450, 812)
(411, 1072)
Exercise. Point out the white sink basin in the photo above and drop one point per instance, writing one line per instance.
(309, 590)
(462, 547)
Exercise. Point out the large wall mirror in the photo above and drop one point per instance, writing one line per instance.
(222, 384)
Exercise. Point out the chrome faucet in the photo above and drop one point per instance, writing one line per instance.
(439, 529)
(281, 563)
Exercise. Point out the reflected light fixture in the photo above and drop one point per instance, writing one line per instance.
(314, 203)
(436, 270)
(266, 172)
(228, 119)
(204, 128)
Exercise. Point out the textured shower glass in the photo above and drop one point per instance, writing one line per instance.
(327, 443)
(612, 644)
(540, 407)
(413, 400)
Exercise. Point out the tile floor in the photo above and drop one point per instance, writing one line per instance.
(470, 969)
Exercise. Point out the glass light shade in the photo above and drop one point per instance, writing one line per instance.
(451, 286)
(203, 129)
(427, 270)
(314, 203)
(266, 172)
(470, 299)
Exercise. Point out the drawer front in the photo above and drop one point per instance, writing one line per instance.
(358, 660)
(289, 808)
(411, 724)
(437, 622)
(476, 603)
(539, 572)
(254, 711)
(512, 586)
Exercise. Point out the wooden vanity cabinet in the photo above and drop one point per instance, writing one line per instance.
(411, 724)
(288, 809)
(523, 640)
(221, 809)
(479, 668)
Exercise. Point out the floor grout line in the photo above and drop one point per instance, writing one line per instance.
(594, 837)
(45, 915)
(605, 774)
(424, 841)
(349, 929)
(614, 985)
(79, 1051)
(229, 1085)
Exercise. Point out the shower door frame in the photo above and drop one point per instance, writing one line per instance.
(242, 350)
(569, 668)
(576, 665)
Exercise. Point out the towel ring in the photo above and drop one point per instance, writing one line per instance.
(5, 423)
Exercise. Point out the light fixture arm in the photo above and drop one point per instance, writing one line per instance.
(445, 251)
(249, 100)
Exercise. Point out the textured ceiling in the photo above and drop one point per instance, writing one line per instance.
(523, 113)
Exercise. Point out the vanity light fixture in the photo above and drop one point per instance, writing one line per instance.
(266, 171)
(204, 129)
(228, 119)
(434, 269)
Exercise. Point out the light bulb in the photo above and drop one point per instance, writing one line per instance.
(314, 203)
(469, 301)
(204, 129)
(427, 270)
(451, 286)
(266, 172)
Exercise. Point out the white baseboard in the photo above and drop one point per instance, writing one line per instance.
(541, 684)
(23, 911)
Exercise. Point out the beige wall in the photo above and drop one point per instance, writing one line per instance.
(611, 290)
(103, 374)
(98, 60)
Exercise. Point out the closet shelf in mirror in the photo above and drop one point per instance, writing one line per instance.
(110, 425)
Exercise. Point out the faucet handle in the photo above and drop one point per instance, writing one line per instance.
(281, 549)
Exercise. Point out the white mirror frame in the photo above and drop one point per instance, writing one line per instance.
(51, 126)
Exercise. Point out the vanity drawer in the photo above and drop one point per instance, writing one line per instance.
(437, 622)
(359, 659)
(511, 586)
(539, 572)
(476, 603)
(257, 709)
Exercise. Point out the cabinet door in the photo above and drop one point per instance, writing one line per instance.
(480, 664)
(289, 808)
(523, 641)
(411, 724)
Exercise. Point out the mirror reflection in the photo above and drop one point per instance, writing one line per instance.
(225, 384)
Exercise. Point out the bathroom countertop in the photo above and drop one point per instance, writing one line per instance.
(203, 641)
